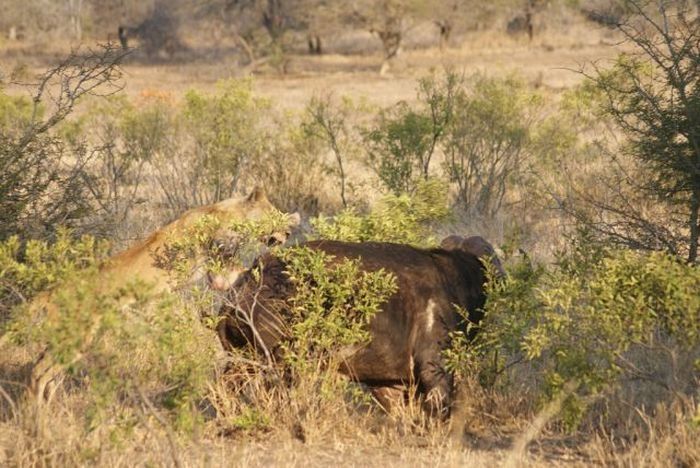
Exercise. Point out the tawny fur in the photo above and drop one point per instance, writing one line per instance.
(140, 263)
(139, 260)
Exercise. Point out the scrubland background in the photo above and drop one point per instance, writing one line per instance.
(551, 128)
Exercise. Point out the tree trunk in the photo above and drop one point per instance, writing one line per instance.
(246, 48)
(694, 226)
(75, 9)
(391, 43)
(529, 9)
(445, 27)
(273, 20)
(314, 42)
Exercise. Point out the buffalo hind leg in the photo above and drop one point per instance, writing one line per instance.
(435, 383)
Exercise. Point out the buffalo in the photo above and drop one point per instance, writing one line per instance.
(409, 334)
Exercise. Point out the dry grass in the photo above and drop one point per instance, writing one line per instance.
(489, 427)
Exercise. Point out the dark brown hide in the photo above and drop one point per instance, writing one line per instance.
(475, 245)
(408, 335)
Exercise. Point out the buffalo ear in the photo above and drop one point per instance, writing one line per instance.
(484, 251)
(451, 242)
(257, 195)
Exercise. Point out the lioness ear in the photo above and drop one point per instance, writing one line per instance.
(216, 282)
(294, 219)
(257, 195)
(223, 281)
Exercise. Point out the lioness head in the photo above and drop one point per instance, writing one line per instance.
(227, 242)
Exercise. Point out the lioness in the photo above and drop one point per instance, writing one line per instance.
(141, 262)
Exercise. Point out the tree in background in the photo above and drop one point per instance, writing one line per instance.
(329, 122)
(653, 95)
(486, 144)
(259, 27)
(457, 16)
(266, 30)
(75, 14)
(41, 185)
(401, 143)
(389, 20)
(31, 17)
(158, 31)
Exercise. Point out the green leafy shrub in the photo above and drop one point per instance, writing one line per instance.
(129, 349)
(26, 270)
(331, 308)
(125, 142)
(329, 123)
(177, 155)
(574, 324)
(16, 113)
(133, 346)
(124, 345)
(399, 140)
(293, 166)
(486, 143)
(403, 218)
(401, 144)
(227, 133)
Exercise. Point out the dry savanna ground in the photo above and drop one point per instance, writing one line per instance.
(549, 61)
